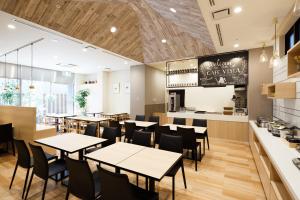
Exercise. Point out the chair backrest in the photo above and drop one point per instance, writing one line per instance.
(110, 133)
(179, 121)
(129, 129)
(200, 122)
(142, 138)
(140, 117)
(154, 119)
(171, 143)
(116, 124)
(115, 186)
(91, 130)
(188, 137)
(23, 154)
(159, 130)
(81, 182)
(40, 165)
(6, 133)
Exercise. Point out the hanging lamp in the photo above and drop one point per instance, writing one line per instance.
(31, 87)
(274, 61)
(296, 9)
(263, 58)
(18, 81)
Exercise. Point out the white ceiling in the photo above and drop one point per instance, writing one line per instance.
(250, 28)
(55, 48)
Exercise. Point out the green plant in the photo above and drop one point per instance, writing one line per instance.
(81, 98)
(9, 95)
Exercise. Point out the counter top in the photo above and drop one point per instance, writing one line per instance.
(281, 156)
(209, 116)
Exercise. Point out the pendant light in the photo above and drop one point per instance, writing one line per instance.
(263, 58)
(18, 81)
(31, 87)
(296, 9)
(274, 61)
(5, 85)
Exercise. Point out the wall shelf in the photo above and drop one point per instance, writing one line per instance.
(293, 67)
(264, 89)
(285, 90)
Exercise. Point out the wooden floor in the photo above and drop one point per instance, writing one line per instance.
(226, 172)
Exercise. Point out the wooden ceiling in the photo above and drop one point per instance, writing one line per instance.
(142, 24)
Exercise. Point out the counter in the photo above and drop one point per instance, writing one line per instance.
(208, 116)
(275, 153)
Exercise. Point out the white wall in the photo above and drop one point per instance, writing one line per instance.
(137, 82)
(209, 99)
(155, 81)
(286, 109)
(116, 102)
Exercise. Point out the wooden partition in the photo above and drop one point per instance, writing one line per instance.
(24, 123)
(228, 130)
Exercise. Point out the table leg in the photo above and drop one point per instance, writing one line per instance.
(80, 154)
(118, 171)
(57, 125)
(62, 156)
(151, 185)
(77, 127)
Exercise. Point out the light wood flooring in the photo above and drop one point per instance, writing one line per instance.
(227, 172)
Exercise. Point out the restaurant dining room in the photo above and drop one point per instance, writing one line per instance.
(150, 99)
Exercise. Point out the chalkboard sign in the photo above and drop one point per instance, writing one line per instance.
(223, 69)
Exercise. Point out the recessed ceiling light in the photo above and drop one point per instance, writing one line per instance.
(173, 10)
(107, 68)
(164, 41)
(236, 45)
(237, 9)
(54, 40)
(113, 29)
(11, 26)
(84, 49)
(125, 62)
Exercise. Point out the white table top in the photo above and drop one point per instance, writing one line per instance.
(115, 153)
(70, 142)
(198, 129)
(62, 115)
(150, 162)
(144, 124)
(281, 156)
(89, 119)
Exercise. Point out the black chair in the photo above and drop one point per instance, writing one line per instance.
(6, 136)
(174, 144)
(82, 182)
(25, 161)
(43, 169)
(179, 121)
(91, 130)
(116, 186)
(140, 117)
(159, 130)
(110, 134)
(189, 142)
(141, 138)
(130, 127)
(202, 123)
(116, 124)
(154, 119)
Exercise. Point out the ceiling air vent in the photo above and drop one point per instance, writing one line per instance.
(219, 34)
(66, 65)
(221, 14)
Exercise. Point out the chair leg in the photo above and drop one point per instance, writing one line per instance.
(200, 152)
(13, 177)
(44, 190)
(28, 188)
(196, 159)
(207, 141)
(173, 188)
(13, 147)
(67, 195)
(25, 184)
(183, 175)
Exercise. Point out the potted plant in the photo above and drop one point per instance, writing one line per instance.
(9, 95)
(81, 99)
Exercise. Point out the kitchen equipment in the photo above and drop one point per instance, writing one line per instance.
(262, 122)
(296, 162)
(174, 102)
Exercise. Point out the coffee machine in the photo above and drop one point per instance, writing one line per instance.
(174, 102)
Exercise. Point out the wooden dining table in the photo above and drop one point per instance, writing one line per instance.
(142, 124)
(144, 161)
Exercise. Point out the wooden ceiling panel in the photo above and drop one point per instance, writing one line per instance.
(142, 24)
